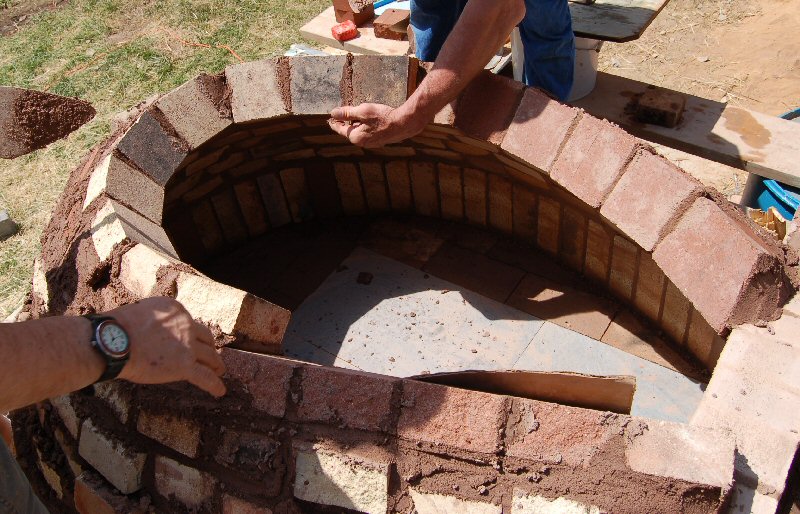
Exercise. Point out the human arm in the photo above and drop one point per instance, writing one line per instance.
(49, 357)
(482, 28)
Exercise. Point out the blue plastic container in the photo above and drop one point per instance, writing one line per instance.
(764, 193)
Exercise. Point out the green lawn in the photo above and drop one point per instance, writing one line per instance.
(115, 54)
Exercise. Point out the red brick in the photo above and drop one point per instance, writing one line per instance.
(553, 301)
(444, 416)
(475, 196)
(323, 189)
(675, 315)
(381, 79)
(729, 275)
(392, 24)
(265, 378)
(598, 252)
(501, 204)
(573, 238)
(547, 232)
(152, 149)
(648, 198)
(424, 188)
(649, 287)
(229, 217)
(294, 184)
(452, 192)
(274, 200)
(93, 495)
(255, 216)
(525, 214)
(703, 341)
(347, 399)
(538, 129)
(399, 185)
(623, 267)
(350, 191)
(593, 159)
(487, 105)
(474, 271)
(374, 180)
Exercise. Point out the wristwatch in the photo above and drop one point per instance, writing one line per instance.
(112, 342)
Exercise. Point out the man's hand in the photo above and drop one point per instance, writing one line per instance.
(167, 345)
(374, 125)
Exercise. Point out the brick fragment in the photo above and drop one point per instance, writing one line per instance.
(487, 105)
(648, 198)
(316, 83)
(255, 91)
(424, 188)
(538, 129)
(399, 182)
(660, 107)
(347, 399)
(152, 149)
(624, 263)
(450, 186)
(374, 180)
(392, 24)
(381, 79)
(190, 109)
(189, 486)
(266, 378)
(593, 159)
(236, 312)
(120, 465)
(350, 190)
(747, 281)
(357, 11)
(335, 478)
(442, 416)
(180, 434)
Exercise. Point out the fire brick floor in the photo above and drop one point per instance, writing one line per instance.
(376, 314)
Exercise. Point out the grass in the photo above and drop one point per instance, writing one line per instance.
(114, 54)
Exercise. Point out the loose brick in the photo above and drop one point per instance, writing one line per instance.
(294, 183)
(487, 106)
(107, 231)
(443, 416)
(501, 204)
(538, 129)
(703, 341)
(180, 434)
(392, 24)
(350, 190)
(274, 200)
(255, 91)
(624, 264)
(647, 199)
(97, 181)
(547, 231)
(234, 311)
(347, 399)
(399, 185)
(475, 187)
(675, 315)
(429, 503)
(315, 87)
(573, 238)
(191, 110)
(593, 159)
(338, 479)
(119, 465)
(524, 213)
(598, 252)
(424, 188)
(249, 200)
(381, 79)
(451, 192)
(649, 287)
(189, 486)
(747, 281)
(66, 411)
(374, 181)
(525, 503)
(149, 147)
(266, 378)
(229, 217)
(233, 505)
(94, 496)
(142, 230)
(207, 226)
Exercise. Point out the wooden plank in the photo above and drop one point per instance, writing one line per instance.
(758, 143)
(319, 30)
(617, 21)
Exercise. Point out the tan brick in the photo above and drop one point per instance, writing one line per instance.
(501, 204)
(97, 181)
(180, 434)
(475, 187)
(374, 181)
(525, 214)
(526, 503)
(399, 185)
(598, 252)
(649, 287)
(547, 231)
(107, 231)
(50, 475)
(452, 192)
(430, 503)
(675, 315)
(255, 92)
(350, 190)
(115, 397)
(424, 188)
(703, 341)
(294, 183)
(66, 411)
(120, 465)
(255, 216)
(623, 267)
(191, 111)
(139, 268)
(573, 237)
(189, 486)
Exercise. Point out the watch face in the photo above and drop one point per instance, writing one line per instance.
(113, 338)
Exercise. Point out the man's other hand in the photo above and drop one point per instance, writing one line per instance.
(373, 125)
(167, 345)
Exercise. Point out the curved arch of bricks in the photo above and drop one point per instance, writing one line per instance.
(223, 159)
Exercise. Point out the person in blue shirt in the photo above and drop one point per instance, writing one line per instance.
(460, 37)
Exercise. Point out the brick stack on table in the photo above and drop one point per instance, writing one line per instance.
(351, 14)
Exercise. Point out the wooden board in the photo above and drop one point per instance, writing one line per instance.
(319, 30)
(614, 393)
(758, 143)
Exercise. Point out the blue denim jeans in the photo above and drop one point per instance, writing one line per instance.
(16, 495)
(546, 32)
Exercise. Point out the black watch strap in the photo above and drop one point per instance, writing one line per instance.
(113, 366)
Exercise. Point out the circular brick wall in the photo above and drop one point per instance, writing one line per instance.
(225, 159)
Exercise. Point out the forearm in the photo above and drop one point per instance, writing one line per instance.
(43, 358)
(482, 28)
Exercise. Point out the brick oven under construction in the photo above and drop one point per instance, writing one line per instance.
(232, 194)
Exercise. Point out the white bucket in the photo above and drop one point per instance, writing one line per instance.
(586, 53)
